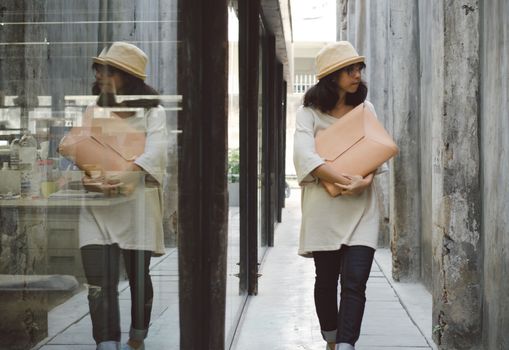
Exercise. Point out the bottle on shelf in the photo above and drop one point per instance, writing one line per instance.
(28, 166)
(14, 154)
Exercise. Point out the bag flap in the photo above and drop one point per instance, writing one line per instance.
(342, 135)
(84, 131)
(128, 146)
(375, 131)
(73, 138)
(121, 137)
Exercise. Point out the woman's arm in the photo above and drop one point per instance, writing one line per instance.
(308, 164)
(327, 173)
(153, 159)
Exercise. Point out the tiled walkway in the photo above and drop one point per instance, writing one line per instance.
(282, 316)
(70, 326)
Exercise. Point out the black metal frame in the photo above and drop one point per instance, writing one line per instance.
(203, 202)
(281, 140)
(269, 132)
(203, 206)
(249, 22)
(252, 34)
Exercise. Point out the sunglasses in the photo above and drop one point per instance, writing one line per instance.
(354, 68)
(101, 69)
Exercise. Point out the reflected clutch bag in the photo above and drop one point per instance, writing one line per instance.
(356, 144)
(108, 144)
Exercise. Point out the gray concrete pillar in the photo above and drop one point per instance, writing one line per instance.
(342, 19)
(350, 23)
(167, 84)
(21, 68)
(403, 70)
(358, 27)
(430, 64)
(377, 76)
(375, 48)
(495, 172)
(370, 40)
(455, 179)
(12, 69)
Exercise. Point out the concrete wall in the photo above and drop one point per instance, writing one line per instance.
(446, 101)
(494, 124)
(403, 70)
(430, 68)
(379, 29)
(456, 210)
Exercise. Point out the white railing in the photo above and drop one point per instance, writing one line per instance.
(303, 82)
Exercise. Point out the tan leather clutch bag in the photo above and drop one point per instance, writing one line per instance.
(356, 144)
(108, 144)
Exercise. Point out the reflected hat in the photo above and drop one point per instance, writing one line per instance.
(127, 58)
(100, 59)
(335, 56)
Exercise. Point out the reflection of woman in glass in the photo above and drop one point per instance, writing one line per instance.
(339, 233)
(133, 227)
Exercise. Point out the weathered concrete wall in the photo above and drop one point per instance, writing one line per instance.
(433, 94)
(21, 65)
(71, 46)
(455, 180)
(403, 67)
(431, 63)
(495, 172)
(372, 44)
(386, 33)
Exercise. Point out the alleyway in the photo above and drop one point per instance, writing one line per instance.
(70, 325)
(282, 316)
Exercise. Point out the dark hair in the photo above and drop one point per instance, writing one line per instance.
(324, 94)
(132, 86)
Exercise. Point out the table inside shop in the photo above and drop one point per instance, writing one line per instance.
(40, 236)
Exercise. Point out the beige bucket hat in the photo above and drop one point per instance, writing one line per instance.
(335, 56)
(100, 59)
(126, 57)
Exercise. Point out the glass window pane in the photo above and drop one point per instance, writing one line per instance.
(234, 296)
(88, 147)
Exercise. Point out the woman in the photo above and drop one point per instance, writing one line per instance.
(133, 227)
(339, 233)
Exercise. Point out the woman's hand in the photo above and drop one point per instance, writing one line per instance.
(114, 183)
(92, 184)
(122, 182)
(109, 186)
(357, 184)
(327, 173)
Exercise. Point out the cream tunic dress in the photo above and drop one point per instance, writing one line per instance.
(135, 224)
(329, 222)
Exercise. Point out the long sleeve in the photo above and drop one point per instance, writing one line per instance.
(305, 158)
(153, 159)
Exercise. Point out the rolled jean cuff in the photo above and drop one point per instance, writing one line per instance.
(138, 334)
(329, 336)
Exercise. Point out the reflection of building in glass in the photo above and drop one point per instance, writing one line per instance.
(46, 84)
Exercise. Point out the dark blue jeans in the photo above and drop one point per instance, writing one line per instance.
(101, 265)
(353, 264)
